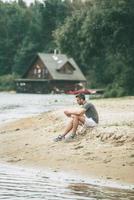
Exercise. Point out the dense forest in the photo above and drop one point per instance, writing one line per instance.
(98, 34)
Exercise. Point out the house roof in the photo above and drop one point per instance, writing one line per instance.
(55, 61)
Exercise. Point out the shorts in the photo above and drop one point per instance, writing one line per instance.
(89, 122)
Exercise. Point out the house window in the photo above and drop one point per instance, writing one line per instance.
(45, 72)
(38, 71)
(35, 71)
(22, 84)
(66, 70)
(39, 75)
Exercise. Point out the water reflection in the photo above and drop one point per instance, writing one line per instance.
(97, 192)
(19, 183)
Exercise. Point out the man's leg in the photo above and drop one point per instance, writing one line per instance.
(68, 128)
(73, 124)
(76, 121)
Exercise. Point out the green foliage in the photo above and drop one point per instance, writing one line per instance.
(98, 34)
(53, 15)
(14, 22)
(7, 82)
(100, 37)
(24, 56)
(31, 44)
(27, 30)
(45, 19)
(114, 91)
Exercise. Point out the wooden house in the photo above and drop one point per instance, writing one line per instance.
(51, 73)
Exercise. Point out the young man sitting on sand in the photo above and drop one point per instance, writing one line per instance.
(87, 115)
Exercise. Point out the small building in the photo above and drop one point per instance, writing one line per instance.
(51, 73)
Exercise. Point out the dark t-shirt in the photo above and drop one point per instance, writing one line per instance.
(91, 112)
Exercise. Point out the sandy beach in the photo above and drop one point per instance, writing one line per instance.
(105, 152)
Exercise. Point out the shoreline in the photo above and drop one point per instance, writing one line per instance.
(105, 152)
(78, 178)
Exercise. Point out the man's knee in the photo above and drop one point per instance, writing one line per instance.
(75, 118)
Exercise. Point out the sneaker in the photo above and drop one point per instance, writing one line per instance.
(70, 138)
(59, 138)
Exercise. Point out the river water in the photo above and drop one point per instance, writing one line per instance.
(16, 106)
(19, 183)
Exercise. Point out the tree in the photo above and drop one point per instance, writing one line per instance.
(53, 13)
(32, 42)
(69, 38)
(100, 37)
(14, 23)
(45, 19)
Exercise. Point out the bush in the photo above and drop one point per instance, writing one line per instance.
(7, 82)
(121, 92)
(114, 91)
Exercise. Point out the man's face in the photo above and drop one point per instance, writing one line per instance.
(79, 101)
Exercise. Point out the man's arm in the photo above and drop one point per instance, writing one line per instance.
(77, 112)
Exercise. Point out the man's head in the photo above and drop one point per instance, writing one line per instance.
(80, 99)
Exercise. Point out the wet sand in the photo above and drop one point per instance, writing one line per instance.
(105, 152)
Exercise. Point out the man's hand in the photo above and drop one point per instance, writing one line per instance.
(78, 112)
